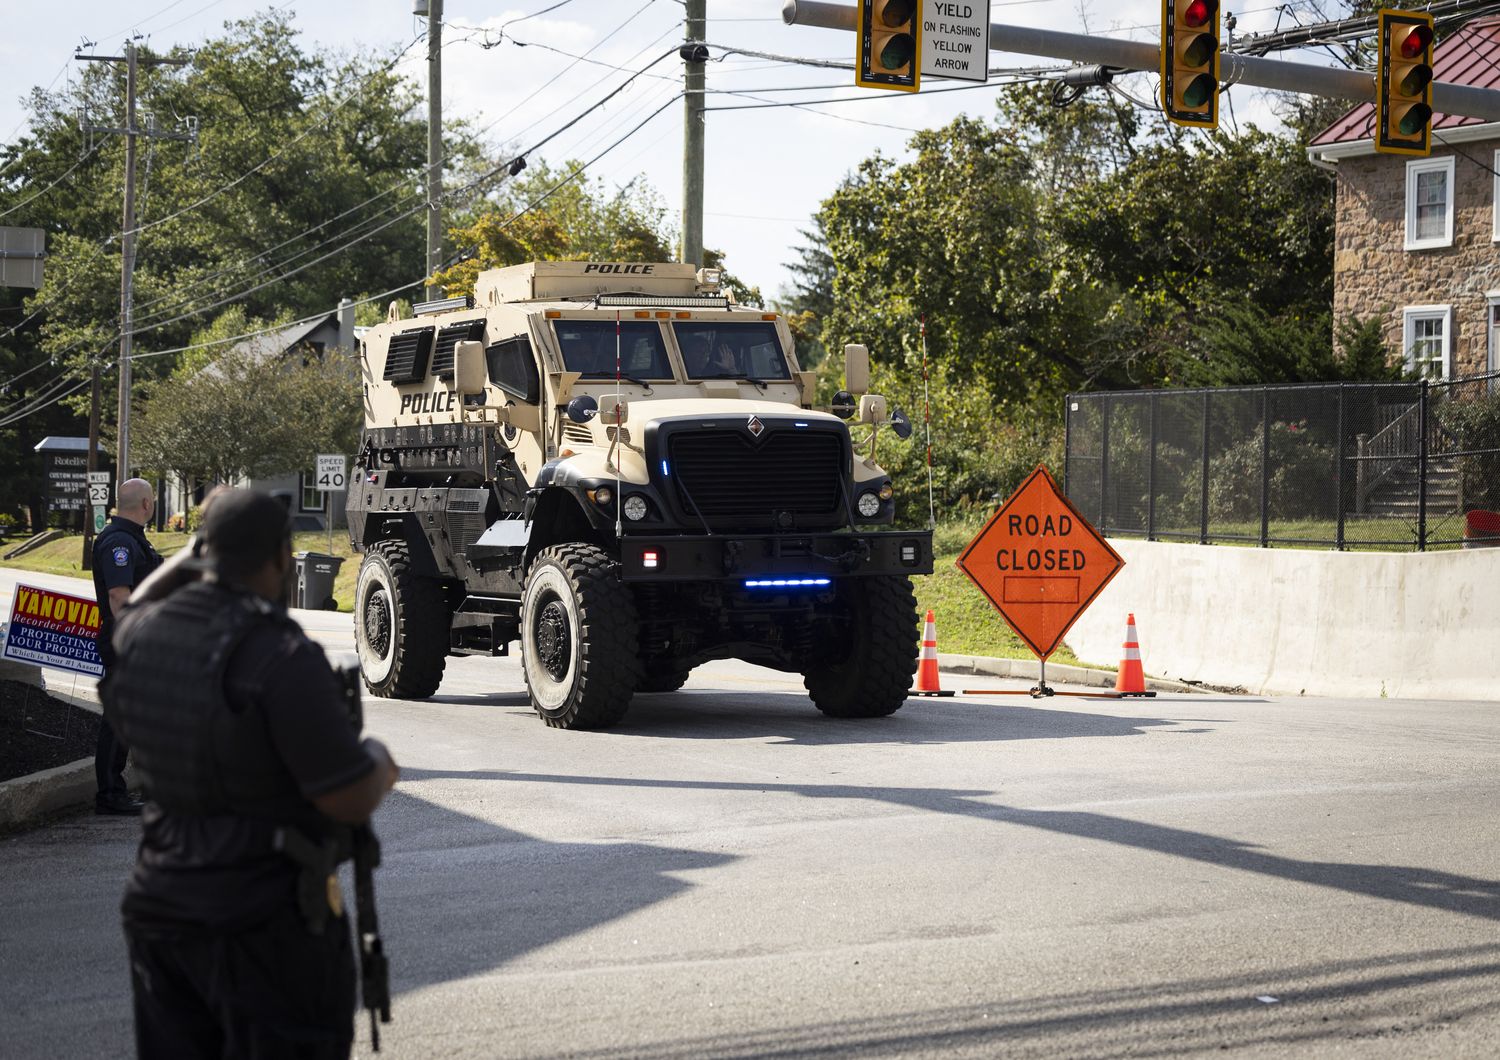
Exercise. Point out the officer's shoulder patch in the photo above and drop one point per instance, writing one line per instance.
(122, 556)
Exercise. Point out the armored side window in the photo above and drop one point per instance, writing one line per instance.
(406, 356)
(513, 369)
(447, 339)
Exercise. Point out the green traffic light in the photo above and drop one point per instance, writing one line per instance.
(898, 51)
(1199, 91)
(1200, 51)
(1414, 119)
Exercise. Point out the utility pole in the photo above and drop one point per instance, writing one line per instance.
(694, 54)
(133, 62)
(434, 141)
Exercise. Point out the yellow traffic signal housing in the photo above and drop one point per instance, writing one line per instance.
(1403, 87)
(890, 52)
(1190, 62)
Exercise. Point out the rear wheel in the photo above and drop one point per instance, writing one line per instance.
(400, 625)
(578, 638)
(869, 672)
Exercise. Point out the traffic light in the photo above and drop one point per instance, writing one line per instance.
(889, 44)
(1403, 91)
(1190, 62)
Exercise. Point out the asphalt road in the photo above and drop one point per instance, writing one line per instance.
(731, 874)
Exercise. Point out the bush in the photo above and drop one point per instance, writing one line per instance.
(177, 522)
(1476, 425)
(1303, 471)
(194, 519)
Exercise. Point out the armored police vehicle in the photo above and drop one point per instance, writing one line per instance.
(620, 468)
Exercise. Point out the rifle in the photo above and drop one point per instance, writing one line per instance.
(374, 969)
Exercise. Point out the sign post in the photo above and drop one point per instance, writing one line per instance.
(331, 476)
(1041, 564)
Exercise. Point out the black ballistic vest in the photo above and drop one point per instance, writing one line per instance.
(165, 697)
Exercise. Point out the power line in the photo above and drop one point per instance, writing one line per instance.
(71, 170)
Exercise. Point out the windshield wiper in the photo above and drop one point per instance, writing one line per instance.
(761, 383)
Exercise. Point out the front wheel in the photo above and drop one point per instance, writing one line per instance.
(578, 638)
(870, 669)
(400, 625)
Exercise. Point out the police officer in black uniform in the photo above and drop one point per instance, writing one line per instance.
(122, 559)
(239, 944)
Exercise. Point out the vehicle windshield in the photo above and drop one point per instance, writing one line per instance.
(588, 346)
(722, 350)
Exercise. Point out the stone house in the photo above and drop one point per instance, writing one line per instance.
(1417, 240)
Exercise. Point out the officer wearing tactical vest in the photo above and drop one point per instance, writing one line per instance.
(238, 941)
(122, 559)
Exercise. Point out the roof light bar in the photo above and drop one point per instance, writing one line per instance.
(696, 301)
(443, 305)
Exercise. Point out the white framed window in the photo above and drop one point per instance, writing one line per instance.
(312, 497)
(1495, 199)
(1427, 340)
(1429, 203)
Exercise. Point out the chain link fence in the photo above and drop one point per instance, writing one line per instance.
(1378, 466)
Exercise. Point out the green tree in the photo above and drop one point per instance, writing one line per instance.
(210, 423)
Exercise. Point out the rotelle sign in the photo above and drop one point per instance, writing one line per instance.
(1040, 562)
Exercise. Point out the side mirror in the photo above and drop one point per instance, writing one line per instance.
(900, 424)
(856, 368)
(872, 409)
(583, 408)
(843, 404)
(614, 412)
(469, 375)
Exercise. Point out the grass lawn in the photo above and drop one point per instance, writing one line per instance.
(64, 556)
(966, 623)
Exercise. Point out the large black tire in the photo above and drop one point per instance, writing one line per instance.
(872, 671)
(578, 638)
(400, 625)
(663, 680)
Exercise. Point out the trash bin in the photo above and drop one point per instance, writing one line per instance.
(1481, 529)
(315, 574)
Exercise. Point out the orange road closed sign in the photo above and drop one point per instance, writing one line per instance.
(1040, 563)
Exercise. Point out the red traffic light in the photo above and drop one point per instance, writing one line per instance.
(1197, 13)
(1415, 42)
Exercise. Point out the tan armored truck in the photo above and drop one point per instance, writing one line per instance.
(615, 465)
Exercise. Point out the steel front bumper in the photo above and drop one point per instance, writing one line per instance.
(788, 557)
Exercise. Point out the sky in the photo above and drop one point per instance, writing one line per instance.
(767, 168)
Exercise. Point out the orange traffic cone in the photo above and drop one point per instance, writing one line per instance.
(1131, 681)
(927, 670)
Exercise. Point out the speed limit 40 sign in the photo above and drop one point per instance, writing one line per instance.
(330, 472)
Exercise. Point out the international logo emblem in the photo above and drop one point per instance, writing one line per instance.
(755, 427)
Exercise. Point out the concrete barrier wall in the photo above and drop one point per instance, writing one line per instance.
(1424, 625)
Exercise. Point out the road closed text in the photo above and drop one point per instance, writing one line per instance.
(1042, 558)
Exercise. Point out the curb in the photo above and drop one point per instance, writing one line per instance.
(1031, 670)
(28, 801)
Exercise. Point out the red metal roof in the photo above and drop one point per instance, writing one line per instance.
(1469, 56)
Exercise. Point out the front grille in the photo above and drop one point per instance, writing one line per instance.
(406, 356)
(447, 339)
(739, 482)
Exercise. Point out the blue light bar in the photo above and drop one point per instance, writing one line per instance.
(664, 472)
(786, 583)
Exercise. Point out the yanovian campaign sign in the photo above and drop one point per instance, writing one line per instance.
(54, 629)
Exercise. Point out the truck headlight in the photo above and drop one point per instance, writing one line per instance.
(635, 507)
(601, 495)
(868, 504)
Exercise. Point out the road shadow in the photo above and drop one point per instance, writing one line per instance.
(1182, 1017)
(1408, 884)
(478, 699)
(460, 896)
(791, 718)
